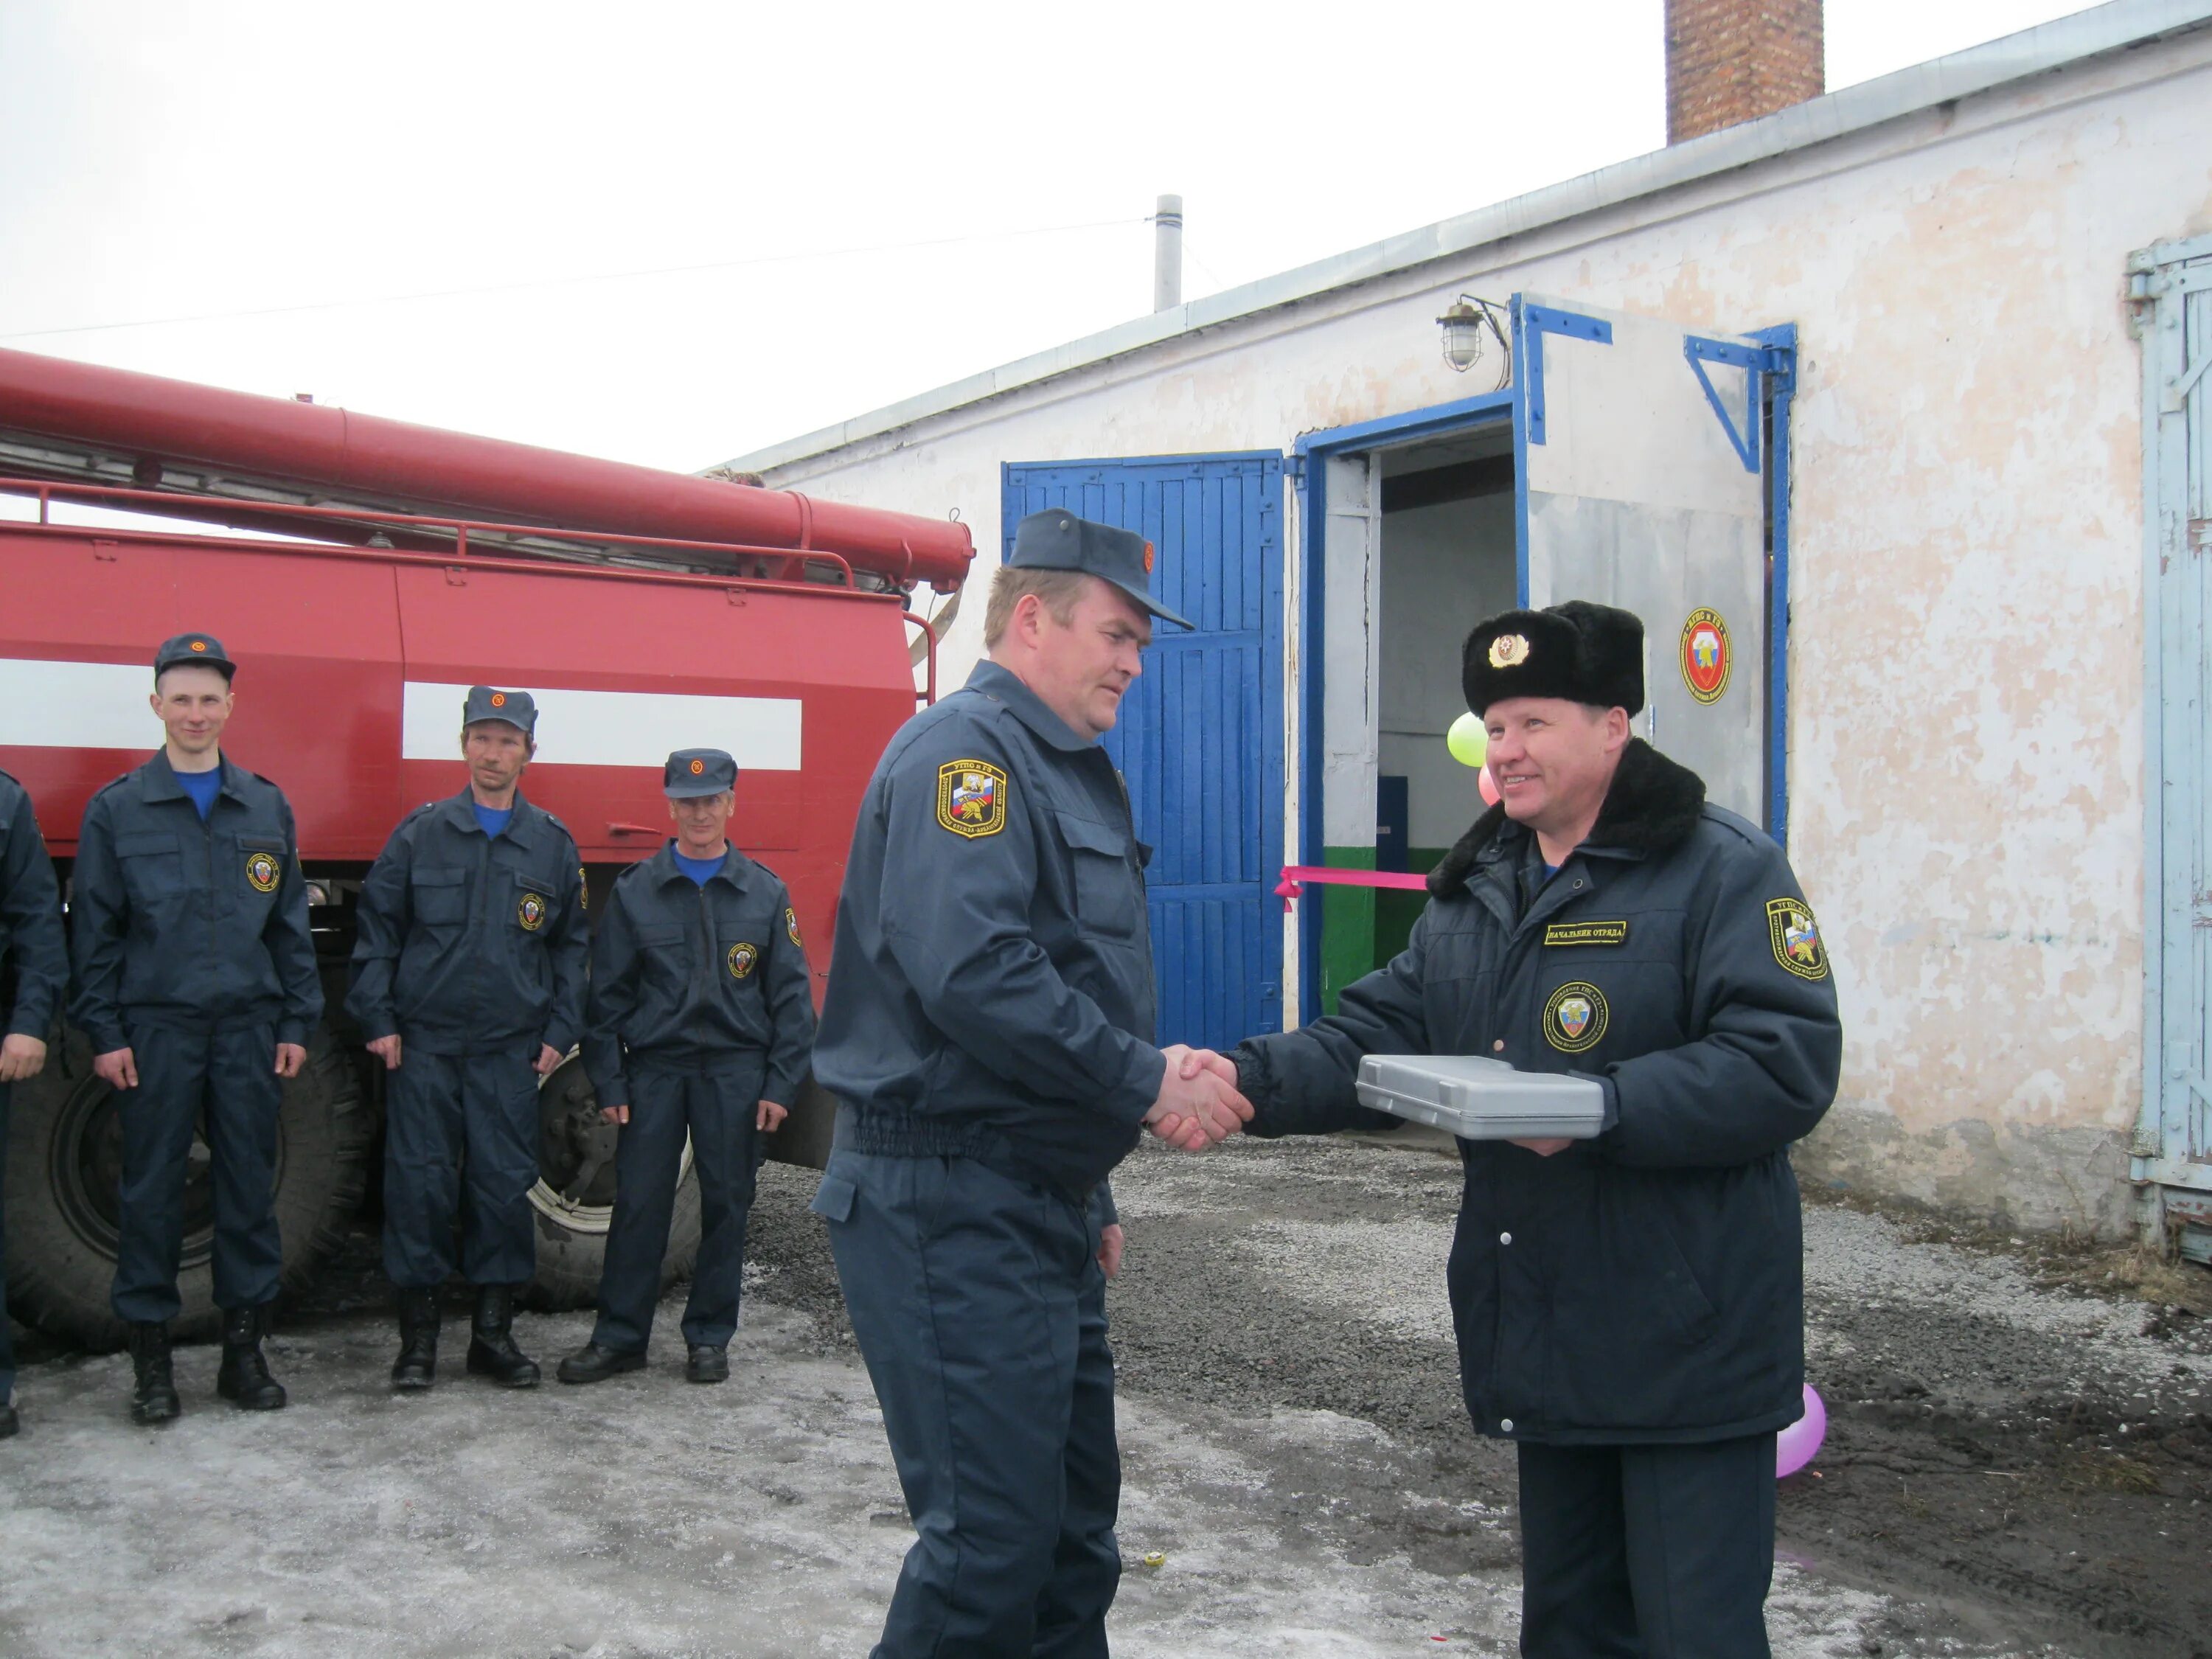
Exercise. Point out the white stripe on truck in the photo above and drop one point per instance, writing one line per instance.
(102, 705)
(615, 728)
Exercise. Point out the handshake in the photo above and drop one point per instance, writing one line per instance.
(1199, 1105)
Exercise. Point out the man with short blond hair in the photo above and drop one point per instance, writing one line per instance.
(196, 982)
(1057, 591)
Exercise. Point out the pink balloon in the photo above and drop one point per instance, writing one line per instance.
(1488, 785)
(1794, 1446)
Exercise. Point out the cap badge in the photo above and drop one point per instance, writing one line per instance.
(1575, 1018)
(1508, 651)
(971, 798)
(531, 912)
(698, 767)
(263, 872)
(1707, 659)
(1148, 558)
(200, 645)
(1796, 936)
(499, 699)
(742, 958)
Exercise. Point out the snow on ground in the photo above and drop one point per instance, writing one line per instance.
(645, 1517)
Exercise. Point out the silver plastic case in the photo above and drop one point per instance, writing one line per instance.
(1482, 1099)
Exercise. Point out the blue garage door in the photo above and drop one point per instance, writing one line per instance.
(1201, 736)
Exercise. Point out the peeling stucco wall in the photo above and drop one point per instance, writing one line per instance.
(1966, 655)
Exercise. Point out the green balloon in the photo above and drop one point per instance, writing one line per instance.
(1468, 741)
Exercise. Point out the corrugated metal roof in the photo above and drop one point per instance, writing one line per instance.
(2112, 28)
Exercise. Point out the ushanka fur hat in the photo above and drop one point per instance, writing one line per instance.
(1588, 653)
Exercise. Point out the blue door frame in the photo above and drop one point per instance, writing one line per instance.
(1467, 415)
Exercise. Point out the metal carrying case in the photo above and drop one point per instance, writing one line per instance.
(1482, 1099)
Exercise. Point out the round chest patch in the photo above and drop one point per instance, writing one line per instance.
(1575, 1018)
(742, 960)
(263, 872)
(1706, 659)
(531, 912)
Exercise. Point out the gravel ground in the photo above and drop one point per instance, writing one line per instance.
(2012, 1468)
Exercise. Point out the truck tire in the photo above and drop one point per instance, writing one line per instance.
(64, 1164)
(574, 1199)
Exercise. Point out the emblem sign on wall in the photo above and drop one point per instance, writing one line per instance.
(1706, 657)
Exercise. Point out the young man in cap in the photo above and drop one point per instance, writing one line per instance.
(468, 980)
(196, 982)
(1629, 1308)
(702, 1018)
(33, 979)
(988, 1029)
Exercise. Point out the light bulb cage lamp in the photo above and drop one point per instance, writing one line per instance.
(1464, 322)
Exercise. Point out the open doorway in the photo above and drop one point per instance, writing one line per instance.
(1446, 557)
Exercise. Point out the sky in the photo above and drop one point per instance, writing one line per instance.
(710, 227)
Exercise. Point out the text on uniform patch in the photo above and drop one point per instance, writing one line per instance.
(1587, 932)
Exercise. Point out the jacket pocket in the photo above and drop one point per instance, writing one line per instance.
(1108, 894)
(1691, 1310)
(438, 898)
(833, 1200)
(153, 866)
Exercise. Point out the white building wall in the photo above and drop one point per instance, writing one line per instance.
(1965, 652)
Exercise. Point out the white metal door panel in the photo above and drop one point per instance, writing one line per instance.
(2174, 1149)
(1643, 488)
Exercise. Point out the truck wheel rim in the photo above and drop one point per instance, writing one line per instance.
(576, 1152)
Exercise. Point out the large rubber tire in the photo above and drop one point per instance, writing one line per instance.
(62, 1164)
(574, 1199)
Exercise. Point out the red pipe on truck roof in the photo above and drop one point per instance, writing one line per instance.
(150, 418)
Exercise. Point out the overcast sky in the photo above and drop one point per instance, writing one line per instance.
(870, 201)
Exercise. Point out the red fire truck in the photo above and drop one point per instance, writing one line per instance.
(383, 569)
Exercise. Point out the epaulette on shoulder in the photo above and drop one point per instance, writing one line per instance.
(1739, 829)
(555, 822)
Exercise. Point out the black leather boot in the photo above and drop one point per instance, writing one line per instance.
(418, 1364)
(154, 1391)
(492, 1351)
(593, 1363)
(243, 1379)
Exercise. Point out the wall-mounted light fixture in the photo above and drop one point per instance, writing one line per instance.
(1465, 322)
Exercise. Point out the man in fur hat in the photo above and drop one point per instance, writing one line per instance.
(1630, 1307)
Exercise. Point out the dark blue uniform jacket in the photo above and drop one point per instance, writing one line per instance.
(991, 990)
(188, 924)
(470, 944)
(34, 952)
(1652, 1286)
(685, 977)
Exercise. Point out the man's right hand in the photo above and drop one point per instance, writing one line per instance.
(1198, 1104)
(616, 1114)
(386, 1048)
(22, 1055)
(118, 1068)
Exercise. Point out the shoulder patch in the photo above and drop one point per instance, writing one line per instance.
(583, 890)
(971, 798)
(791, 926)
(1796, 938)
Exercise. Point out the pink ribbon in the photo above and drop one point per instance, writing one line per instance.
(1296, 876)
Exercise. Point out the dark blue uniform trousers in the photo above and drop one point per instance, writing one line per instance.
(6, 1342)
(226, 1081)
(719, 1110)
(450, 1118)
(981, 1309)
(1647, 1552)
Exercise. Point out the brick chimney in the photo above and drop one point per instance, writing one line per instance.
(1735, 60)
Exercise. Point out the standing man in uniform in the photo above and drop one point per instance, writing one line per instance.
(33, 979)
(1630, 1307)
(196, 980)
(988, 1029)
(702, 1018)
(468, 979)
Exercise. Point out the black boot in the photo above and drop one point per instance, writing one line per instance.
(418, 1364)
(8, 1423)
(154, 1391)
(243, 1379)
(594, 1363)
(492, 1351)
